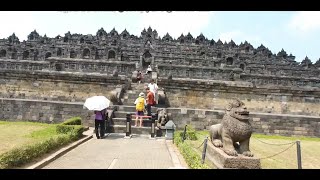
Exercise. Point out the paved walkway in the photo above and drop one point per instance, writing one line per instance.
(115, 152)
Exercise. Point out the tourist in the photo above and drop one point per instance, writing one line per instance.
(150, 100)
(140, 103)
(100, 117)
(139, 76)
(154, 89)
(149, 69)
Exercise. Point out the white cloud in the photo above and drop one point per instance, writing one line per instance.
(305, 21)
(176, 23)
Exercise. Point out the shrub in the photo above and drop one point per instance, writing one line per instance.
(190, 133)
(72, 121)
(190, 155)
(75, 130)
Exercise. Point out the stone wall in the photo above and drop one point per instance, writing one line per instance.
(196, 72)
(205, 94)
(224, 73)
(263, 123)
(14, 64)
(58, 111)
(278, 80)
(41, 111)
(70, 65)
(57, 86)
(89, 65)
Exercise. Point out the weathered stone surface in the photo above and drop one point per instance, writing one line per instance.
(274, 122)
(188, 93)
(222, 160)
(58, 112)
(58, 86)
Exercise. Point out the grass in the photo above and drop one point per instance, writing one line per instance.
(25, 142)
(310, 153)
(19, 134)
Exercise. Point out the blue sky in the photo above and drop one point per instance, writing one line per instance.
(296, 32)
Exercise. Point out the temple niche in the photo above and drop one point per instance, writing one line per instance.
(111, 54)
(47, 55)
(242, 66)
(72, 54)
(219, 55)
(3, 53)
(14, 54)
(86, 53)
(146, 59)
(229, 61)
(59, 52)
(25, 55)
(81, 40)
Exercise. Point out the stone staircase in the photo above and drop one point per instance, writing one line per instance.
(117, 124)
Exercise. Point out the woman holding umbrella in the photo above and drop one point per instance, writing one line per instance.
(98, 104)
(100, 117)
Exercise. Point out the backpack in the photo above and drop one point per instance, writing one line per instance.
(140, 104)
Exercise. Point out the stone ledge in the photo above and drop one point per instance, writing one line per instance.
(222, 160)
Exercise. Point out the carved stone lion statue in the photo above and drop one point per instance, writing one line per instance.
(234, 133)
(162, 117)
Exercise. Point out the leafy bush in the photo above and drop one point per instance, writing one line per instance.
(74, 130)
(72, 121)
(190, 155)
(190, 133)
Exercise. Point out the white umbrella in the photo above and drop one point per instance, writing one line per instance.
(97, 103)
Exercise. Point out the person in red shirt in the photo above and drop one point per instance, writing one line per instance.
(150, 100)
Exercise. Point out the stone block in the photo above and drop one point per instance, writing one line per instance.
(299, 128)
(255, 119)
(201, 116)
(221, 160)
(184, 111)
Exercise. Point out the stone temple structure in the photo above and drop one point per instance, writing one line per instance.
(48, 78)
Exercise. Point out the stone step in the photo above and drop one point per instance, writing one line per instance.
(122, 114)
(123, 121)
(135, 130)
(128, 108)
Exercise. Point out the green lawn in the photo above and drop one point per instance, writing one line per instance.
(17, 134)
(288, 159)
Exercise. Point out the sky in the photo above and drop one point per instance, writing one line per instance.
(297, 32)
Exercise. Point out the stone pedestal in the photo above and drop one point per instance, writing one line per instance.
(222, 160)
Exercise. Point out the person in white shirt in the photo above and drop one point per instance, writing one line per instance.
(154, 89)
(149, 69)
